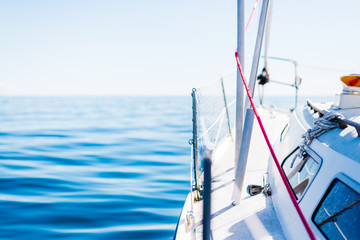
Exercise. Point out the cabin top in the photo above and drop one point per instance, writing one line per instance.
(345, 141)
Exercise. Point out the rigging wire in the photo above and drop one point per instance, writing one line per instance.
(252, 13)
(325, 68)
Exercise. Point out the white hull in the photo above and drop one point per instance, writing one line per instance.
(325, 180)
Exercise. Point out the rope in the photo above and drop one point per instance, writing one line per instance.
(283, 177)
(322, 125)
(252, 13)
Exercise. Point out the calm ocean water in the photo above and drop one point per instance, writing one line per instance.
(93, 167)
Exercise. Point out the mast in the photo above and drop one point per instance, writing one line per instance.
(239, 122)
(249, 119)
(267, 34)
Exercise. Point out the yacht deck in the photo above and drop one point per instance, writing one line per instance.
(254, 217)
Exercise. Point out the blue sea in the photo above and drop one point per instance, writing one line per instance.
(93, 167)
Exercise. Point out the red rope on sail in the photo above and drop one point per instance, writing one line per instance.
(252, 13)
(283, 177)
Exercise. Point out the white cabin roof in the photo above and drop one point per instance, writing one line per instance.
(344, 141)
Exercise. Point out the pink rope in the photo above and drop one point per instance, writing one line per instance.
(283, 177)
(252, 13)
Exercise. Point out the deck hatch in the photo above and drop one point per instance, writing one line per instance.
(338, 214)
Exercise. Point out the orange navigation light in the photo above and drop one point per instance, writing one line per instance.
(351, 80)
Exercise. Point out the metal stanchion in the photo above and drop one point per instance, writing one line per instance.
(207, 199)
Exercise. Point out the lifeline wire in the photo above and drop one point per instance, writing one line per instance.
(283, 177)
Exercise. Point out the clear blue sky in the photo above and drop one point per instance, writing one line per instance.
(166, 47)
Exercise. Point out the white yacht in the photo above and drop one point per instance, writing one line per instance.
(309, 187)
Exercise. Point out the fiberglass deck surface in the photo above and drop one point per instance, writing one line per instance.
(254, 217)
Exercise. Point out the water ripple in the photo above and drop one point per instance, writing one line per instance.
(93, 167)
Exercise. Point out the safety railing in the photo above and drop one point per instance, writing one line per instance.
(297, 79)
(213, 117)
